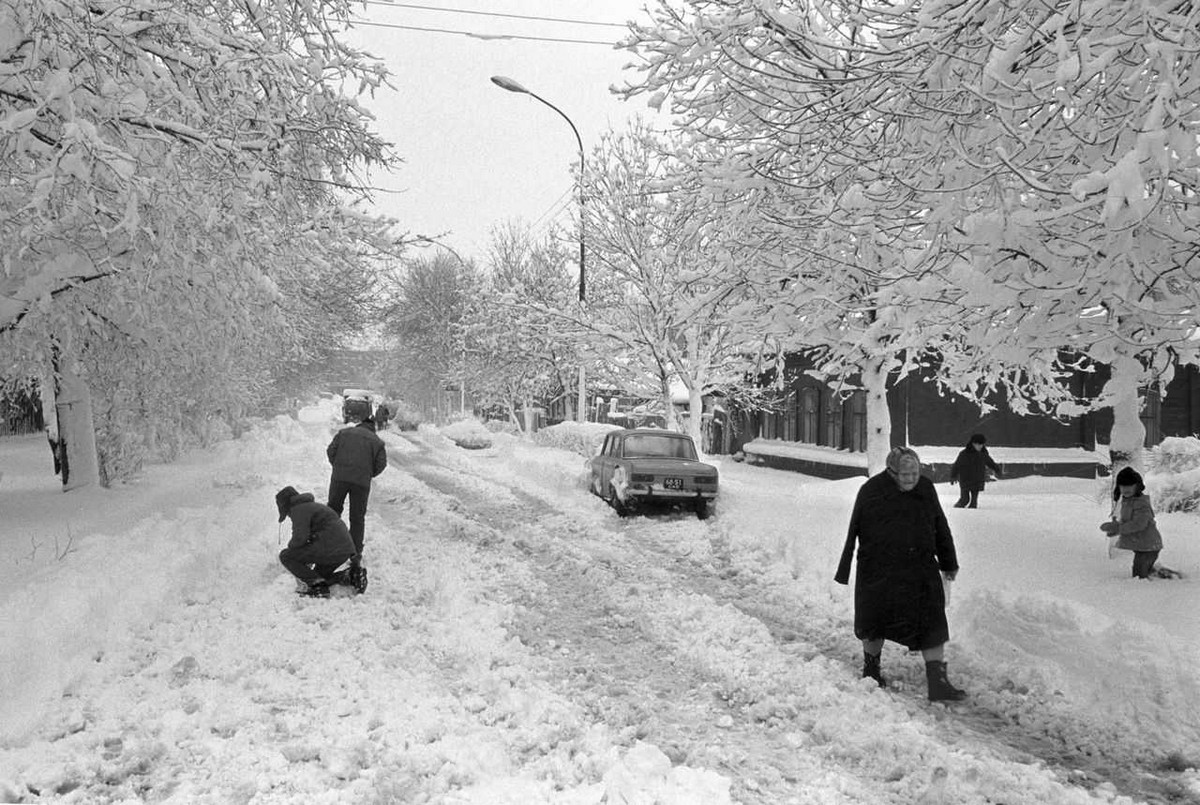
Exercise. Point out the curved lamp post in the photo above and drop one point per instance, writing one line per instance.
(513, 86)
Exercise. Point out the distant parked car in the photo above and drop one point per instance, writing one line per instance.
(640, 467)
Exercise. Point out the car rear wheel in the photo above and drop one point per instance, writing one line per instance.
(702, 509)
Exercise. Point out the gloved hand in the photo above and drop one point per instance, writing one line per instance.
(1110, 528)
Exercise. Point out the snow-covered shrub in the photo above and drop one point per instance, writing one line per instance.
(1175, 492)
(468, 433)
(404, 417)
(1173, 474)
(584, 438)
(502, 426)
(1174, 454)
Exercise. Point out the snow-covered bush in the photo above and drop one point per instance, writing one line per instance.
(584, 438)
(1175, 492)
(404, 417)
(1174, 454)
(1173, 474)
(502, 426)
(468, 433)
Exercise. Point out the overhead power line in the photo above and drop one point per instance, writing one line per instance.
(474, 35)
(491, 14)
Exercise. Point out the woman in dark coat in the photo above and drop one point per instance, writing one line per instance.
(904, 549)
(970, 471)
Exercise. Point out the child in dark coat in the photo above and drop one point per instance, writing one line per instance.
(970, 471)
(1133, 522)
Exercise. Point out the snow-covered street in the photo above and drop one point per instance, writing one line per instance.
(520, 643)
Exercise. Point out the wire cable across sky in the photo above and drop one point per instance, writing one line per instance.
(493, 14)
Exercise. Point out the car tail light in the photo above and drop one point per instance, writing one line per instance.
(641, 478)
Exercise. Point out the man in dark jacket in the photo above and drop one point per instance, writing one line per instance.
(970, 471)
(904, 549)
(320, 541)
(357, 455)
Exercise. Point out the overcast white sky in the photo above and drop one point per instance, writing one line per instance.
(476, 155)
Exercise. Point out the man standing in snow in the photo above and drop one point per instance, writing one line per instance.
(905, 548)
(320, 541)
(357, 455)
(970, 471)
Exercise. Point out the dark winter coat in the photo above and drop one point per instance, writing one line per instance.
(318, 529)
(904, 542)
(357, 454)
(970, 468)
(1138, 531)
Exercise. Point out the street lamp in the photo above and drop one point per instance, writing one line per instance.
(513, 86)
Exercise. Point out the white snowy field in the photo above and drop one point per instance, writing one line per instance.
(520, 643)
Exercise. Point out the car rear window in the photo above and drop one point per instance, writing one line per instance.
(647, 446)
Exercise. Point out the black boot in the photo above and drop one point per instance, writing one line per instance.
(940, 689)
(358, 579)
(871, 668)
(318, 589)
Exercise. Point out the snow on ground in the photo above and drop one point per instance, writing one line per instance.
(152, 648)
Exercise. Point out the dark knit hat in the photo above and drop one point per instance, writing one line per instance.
(978, 438)
(1128, 476)
(283, 501)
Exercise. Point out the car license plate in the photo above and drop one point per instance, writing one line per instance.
(672, 483)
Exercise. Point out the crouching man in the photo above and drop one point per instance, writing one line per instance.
(320, 543)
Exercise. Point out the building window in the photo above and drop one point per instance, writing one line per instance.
(1152, 415)
(833, 421)
(789, 417)
(858, 422)
(809, 421)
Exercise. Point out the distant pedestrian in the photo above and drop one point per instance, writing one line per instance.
(320, 542)
(905, 549)
(357, 455)
(1133, 523)
(383, 413)
(970, 471)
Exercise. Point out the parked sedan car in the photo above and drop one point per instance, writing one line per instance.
(637, 467)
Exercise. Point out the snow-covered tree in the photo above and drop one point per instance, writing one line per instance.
(669, 301)
(170, 166)
(427, 316)
(522, 348)
(1024, 164)
(1076, 129)
(832, 231)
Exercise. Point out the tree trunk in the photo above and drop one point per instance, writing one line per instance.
(581, 406)
(50, 420)
(77, 433)
(696, 417)
(1128, 433)
(879, 416)
(668, 402)
(528, 412)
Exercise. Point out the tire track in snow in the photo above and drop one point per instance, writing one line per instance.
(616, 666)
(622, 675)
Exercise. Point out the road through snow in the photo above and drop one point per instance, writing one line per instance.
(519, 644)
(588, 602)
